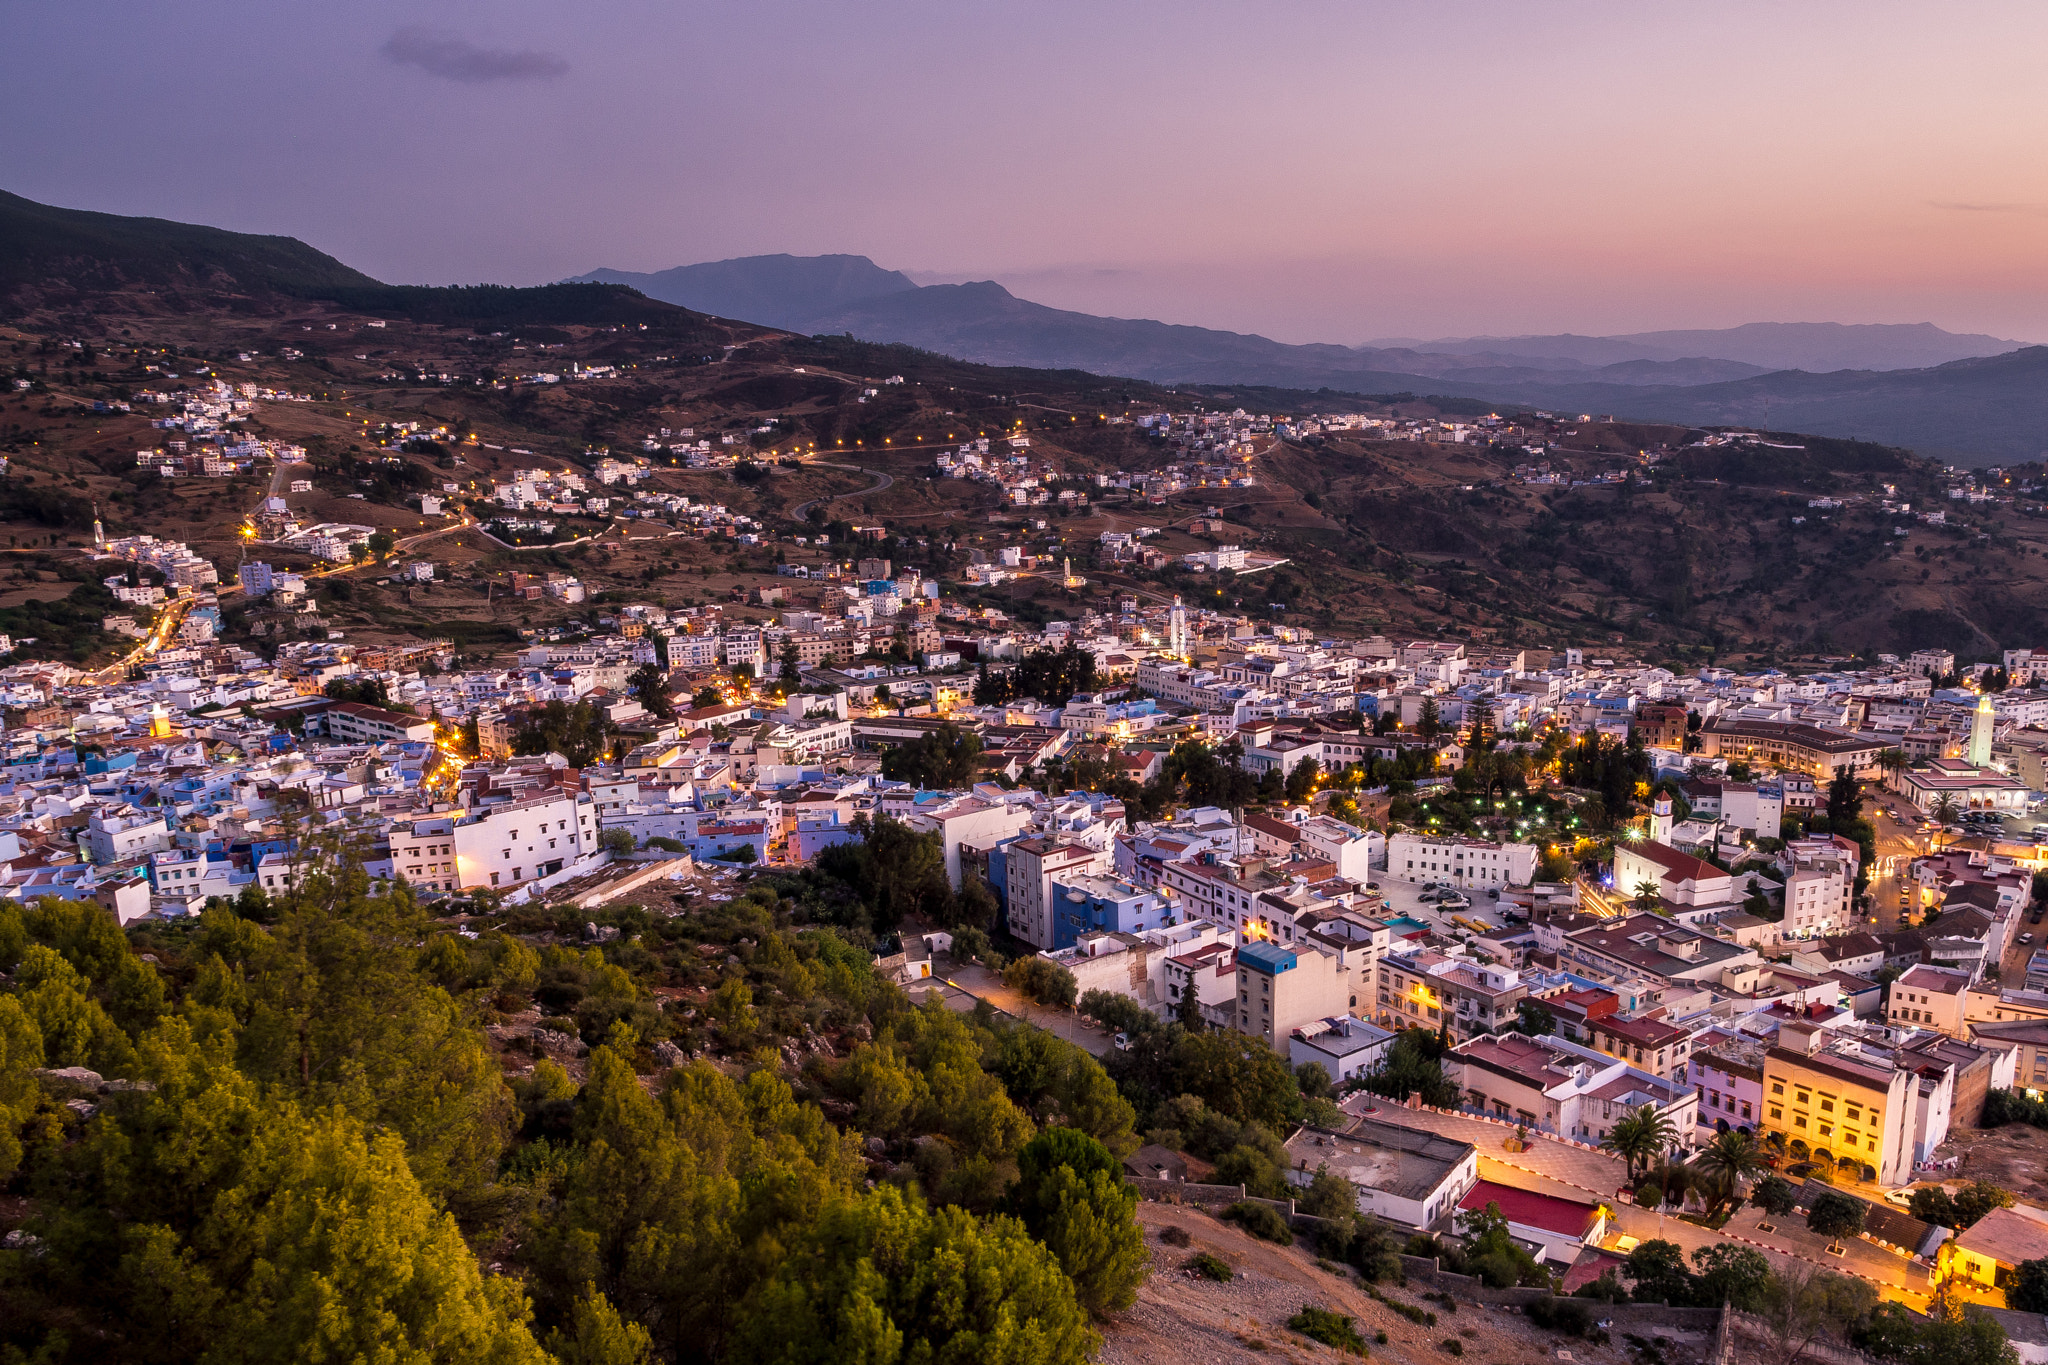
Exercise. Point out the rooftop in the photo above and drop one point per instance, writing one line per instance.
(1407, 1163)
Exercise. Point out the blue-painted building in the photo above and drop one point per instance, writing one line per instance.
(1096, 904)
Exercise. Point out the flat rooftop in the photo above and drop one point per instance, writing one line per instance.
(1407, 1163)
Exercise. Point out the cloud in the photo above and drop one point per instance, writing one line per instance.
(1985, 208)
(441, 53)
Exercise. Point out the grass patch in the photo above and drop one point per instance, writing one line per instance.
(1331, 1329)
(1210, 1268)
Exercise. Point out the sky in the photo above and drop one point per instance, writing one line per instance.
(1312, 171)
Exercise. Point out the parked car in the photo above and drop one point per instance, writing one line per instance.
(2024, 938)
(1899, 1198)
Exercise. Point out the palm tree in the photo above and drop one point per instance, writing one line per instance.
(1892, 760)
(1646, 895)
(1944, 812)
(1725, 1160)
(1639, 1137)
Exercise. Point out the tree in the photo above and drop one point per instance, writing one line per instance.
(1933, 1204)
(1801, 1304)
(1071, 1195)
(649, 685)
(1301, 780)
(1733, 1275)
(1042, 980)
(2027, 1292)
(1118, 1012)
(1845, 801)
(1535, 1018)
(1429, 723)
(1775, 1195)
(1656, 1269)
(1834, 1215)
(1646, 896)
(1727, 1159)
(617, 842)
(1639, 1137)
(881, 1278)
(368, 691)
(946, 757)
(381, 543)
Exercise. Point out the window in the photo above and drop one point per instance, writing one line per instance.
(1777, 1087)
(1776, 1112)
(1799, 1121)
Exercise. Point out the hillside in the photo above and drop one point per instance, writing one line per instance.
(56, 261)
(1641, 537)
(1816, 346)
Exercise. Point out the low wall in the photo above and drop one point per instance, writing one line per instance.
(1187, 1192)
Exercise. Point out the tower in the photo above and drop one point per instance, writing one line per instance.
(1660, 819)
(1980, 731)
(1177, 631)
(99, 533)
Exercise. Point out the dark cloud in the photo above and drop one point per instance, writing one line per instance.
(441, 53)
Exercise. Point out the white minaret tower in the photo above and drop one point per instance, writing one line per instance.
(1980, 731)
(99, 533)
(1660, 819)
(1177, 631)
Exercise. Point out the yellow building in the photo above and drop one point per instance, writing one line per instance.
(1834, 1101)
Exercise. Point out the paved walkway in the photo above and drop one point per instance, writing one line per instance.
(1553, 1167)
(965, 985)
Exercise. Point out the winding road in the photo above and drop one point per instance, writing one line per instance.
(882, 481)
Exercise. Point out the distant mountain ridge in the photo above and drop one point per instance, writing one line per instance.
(1815, 346)
(775, 291)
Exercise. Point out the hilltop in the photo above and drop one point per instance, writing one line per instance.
(1668, 539)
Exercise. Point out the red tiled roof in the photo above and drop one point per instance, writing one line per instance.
(1566, 1217)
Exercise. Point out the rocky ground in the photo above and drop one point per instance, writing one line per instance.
(1183, 1319)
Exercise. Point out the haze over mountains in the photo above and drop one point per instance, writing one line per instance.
(1969, 397)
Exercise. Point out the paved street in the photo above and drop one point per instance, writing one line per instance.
(1553, 1167)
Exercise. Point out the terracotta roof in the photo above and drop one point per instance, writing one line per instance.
(1566, 1217)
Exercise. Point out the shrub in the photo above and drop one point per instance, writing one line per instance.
(1451, 1346)
(1331, 1329)
(1210, 1268)
(1261, 1221)
(1379, 1338)
(1174, 1237)
(1573, 1317)
(1421, 1317)
(1775, 1195)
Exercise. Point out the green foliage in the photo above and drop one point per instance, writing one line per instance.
(879, 1277)
(1210, 1267)
(1933, 1204)
(581, 733)
(1042, 980)
(1451, 1346)
(1328, 1195)
(1891, 1331)
(2012, 1106)
(1232, 1074)
(1656, 1269)
(649, 685)
(367, 691)
(945, 757)
(2028, 1290)
(1331, 1329)
(1731, 1274)
(1052, 676)
(1492, 1254)
(66, 629)
(1573, 1317)
(892, 871)
(1834, 1214)
(1071, 1195)
(1117, 1012)
(1412, 1066)
(1260, 1220)
(1775, 1195)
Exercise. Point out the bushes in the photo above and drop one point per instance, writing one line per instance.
(1451, 1346)
(1421, 1317)
(1210, 1268)
(2010, 1106)
(1573, 1317)
(1174, 1237)
(1331, 1329)
(1261, 1221)
(1775, 1195)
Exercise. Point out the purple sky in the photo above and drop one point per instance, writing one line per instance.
(1315, 171)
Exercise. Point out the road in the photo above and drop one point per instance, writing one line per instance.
(882, 481)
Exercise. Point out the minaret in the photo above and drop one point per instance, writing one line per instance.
(99, 532)
(1177, 631)
(1660, 819)
(1980, 731)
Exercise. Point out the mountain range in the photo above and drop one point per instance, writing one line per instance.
(1972, 399)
